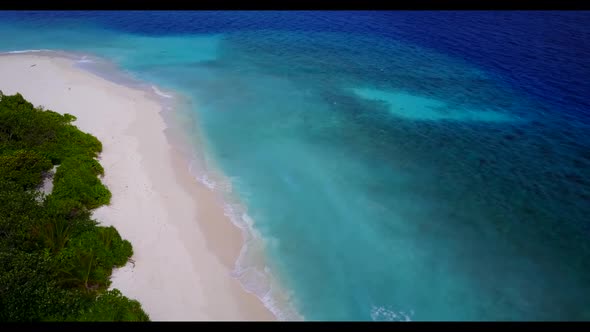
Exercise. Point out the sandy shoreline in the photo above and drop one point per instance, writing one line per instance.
(184, 245)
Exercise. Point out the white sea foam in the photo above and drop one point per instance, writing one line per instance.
(389, 315)
(160, 93)
(278, 310)
(207, 182)
(254, 277)
(208, 179)
(204, 179)
(85, 59)
(25, 51)
(249, 269)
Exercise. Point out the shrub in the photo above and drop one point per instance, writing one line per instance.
(26, 282)
(111, 306)
(88, 261)
(55, 262)
(19, 212)
(25, 168)
(76, 179)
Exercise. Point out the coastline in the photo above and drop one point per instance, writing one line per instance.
(184, 245)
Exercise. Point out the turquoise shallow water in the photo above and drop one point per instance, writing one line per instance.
(386, 180)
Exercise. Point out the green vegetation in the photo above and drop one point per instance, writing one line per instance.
(76, 178)
(55, 261)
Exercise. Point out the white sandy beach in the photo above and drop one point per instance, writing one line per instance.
(184, 246)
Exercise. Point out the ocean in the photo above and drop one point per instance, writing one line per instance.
(386, 165)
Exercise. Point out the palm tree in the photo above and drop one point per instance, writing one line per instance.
(54, 234)
(79, 272)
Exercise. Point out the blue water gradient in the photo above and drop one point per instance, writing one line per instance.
(396, 165)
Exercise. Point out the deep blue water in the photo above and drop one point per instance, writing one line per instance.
(395, 165)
